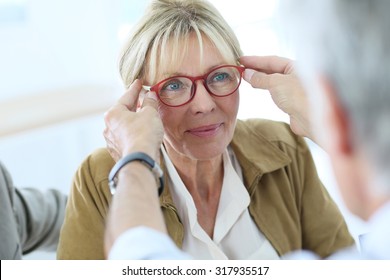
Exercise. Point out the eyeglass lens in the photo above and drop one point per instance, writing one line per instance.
(220, 82)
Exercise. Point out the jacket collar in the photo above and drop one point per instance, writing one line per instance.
(256, 154)
(165, 197)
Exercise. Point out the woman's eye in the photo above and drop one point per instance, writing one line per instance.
(172, 86)
(219, 77)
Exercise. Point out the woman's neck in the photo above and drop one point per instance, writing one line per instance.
(202, 178)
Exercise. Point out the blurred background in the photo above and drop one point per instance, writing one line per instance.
(58, 75)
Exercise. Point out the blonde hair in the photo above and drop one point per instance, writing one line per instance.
(167, 26)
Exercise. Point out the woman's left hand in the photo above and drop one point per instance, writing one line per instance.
(129, 129)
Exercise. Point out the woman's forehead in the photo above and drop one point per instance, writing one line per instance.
(189, 57)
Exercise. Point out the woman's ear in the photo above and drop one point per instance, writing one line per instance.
(336, 122)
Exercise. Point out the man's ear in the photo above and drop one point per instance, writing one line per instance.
(336, 121)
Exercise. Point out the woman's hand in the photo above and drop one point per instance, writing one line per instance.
(133, 127)
(277, 75)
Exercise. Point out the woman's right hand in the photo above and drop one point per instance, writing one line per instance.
(131, 129)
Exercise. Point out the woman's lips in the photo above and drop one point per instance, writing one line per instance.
(205, 131)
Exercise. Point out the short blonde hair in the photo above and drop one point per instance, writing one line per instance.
(168, 24)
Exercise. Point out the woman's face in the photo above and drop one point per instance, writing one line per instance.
(202, 128)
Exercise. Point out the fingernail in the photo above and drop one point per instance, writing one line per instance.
(152, 95)
(248, 73)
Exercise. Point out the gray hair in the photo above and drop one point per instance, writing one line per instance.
(348, 41)
(161, 37)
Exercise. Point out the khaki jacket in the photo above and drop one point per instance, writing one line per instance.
(288, 202)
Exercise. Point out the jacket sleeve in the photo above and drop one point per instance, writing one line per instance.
(82, 234)
(324, 230)
(40, 216)
(31, 218)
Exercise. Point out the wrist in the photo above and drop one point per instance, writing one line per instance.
(142, 158)
(140, 176)
(146, 149)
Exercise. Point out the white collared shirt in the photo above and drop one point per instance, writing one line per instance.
(376, 243)
(236, 236)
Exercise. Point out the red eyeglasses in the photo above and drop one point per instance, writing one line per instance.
(179, 90)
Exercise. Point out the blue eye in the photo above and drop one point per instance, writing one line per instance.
(220, 77)
(172, 86)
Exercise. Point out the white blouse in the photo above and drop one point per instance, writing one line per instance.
(236, 236)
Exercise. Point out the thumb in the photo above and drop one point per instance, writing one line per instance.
(257, 79)
(150, 100)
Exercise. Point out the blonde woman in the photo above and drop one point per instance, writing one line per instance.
(233, 189)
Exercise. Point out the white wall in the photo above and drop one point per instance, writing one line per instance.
(58, 44)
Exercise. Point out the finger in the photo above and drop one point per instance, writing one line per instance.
(150, 100)
(110, 147)
(113, 153)
(141, 98)
(112, 113)
(257, 79)
(267, 64)
(105, 132)
(130, 97)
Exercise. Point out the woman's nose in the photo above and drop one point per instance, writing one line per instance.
(203, 101)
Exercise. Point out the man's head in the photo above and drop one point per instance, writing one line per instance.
(343, 56)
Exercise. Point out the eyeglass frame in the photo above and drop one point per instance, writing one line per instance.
(203, 77)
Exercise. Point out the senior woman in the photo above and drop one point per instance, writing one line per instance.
(233, 189)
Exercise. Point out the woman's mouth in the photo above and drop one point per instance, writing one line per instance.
(205, 131)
